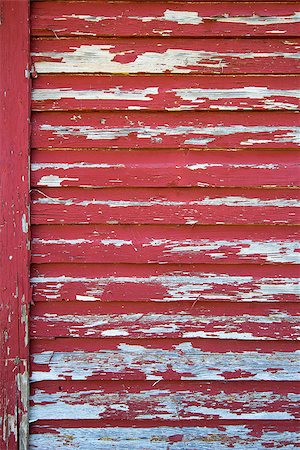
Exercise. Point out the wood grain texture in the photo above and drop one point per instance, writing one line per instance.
(248, 436)
(172, 283)
(164, 168)
(249, 321)
(14, 220)
(167, 206)
(182, 361)
(171, 93)
(170, 401)
(214, 130)
(164, 19)
(165, 246)
(156, 244)
(126, 56)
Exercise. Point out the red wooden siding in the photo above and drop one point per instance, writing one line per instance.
(165, 206)
(14, 223)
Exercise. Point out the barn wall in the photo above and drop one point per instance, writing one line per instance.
(164, 210)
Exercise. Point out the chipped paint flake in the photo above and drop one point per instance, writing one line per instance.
(285, 134)
(53, 180)
(92, 94)
(101, 58)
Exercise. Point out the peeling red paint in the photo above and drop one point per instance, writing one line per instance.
(14, 224)
(165, 246)
(165, 18)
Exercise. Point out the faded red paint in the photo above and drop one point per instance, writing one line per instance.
(214, 130)
(164, 168)
(14, 223)
(153, 282)
(176, 93)
(168, 206)
(155, 19)
(164, 210)
(203, 56)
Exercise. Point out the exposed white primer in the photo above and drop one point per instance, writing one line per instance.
(92, 94)
(233, 166)
(271, 251)
(25, 226)
(77, 165)
(261, 20)
(181, 286)
(116, 242)
(61, 241)
(158, 438)
(247, 92)
(188, 362)
(191, 18)
(285, 133)
(53, 180)
(231, 201)
(111, 333)
(100, 58)
(156, 324)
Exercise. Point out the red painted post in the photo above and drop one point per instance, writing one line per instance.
(14, 219)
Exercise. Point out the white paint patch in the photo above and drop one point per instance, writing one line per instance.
(285, 133)
(112, 333)
(100, 59)
(272, 166)
(186, 361)
(25, 226)
(261, 20)
(180, 286)
(230, 201)
(116, 242)
(53, 180)
(116, 93)
(271, 251)
(191, 18)
(197, 95)
(77, 165)
(182, 17)
(157, 324)
(61, 241)
(86, 298)
(227, 437)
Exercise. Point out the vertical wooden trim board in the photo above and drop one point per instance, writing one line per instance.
(164, 220)
(14, 220)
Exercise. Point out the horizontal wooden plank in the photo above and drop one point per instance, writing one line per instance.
(248, 321)
(167, 206)
(225, 437)
(172, 93)
(164, 168)
(256, 283)
(163, 19)
(171, 244)
(184, 361)
(129, 55)
(167, 401)
(166, 130)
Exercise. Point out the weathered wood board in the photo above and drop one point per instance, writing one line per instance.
(214, 130)
(165, 19)
(14, 223)
(165, 212)
(176, 93)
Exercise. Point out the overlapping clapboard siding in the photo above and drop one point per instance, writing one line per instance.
(165, 205)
